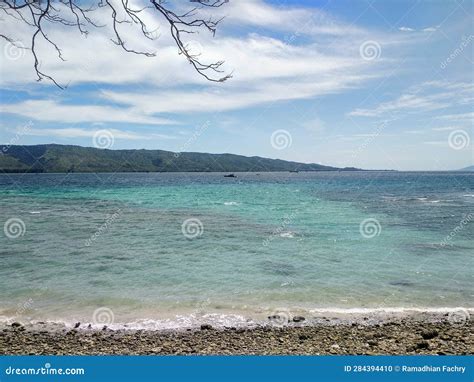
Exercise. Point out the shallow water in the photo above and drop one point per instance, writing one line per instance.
(255, 244)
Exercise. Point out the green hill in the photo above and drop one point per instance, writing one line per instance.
(62, 158)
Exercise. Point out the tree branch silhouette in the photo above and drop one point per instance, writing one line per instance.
(39, 14)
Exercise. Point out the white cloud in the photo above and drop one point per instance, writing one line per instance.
(266, 69)
(403, 103)
(297, 20)
(406, 29)
(441, 95)
(446, 128)
(216, 100)
(53, 111)
(85, 133)
(459, 117)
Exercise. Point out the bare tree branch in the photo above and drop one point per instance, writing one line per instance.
(38, 14)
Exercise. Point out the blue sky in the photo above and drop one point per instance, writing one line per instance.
(371, 84)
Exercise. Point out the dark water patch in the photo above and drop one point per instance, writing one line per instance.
(278, 268)
(8, 253)
(76, 253)
(435, 248)
(99, 282)
(116, 257)
(101, 268)
(402, 283)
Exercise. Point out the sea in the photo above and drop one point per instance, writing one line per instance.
(174, 250)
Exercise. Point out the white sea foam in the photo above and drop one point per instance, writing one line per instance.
(173, 323)
(313, 316)
(391, 310)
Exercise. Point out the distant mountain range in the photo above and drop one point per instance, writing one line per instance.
(469, 168)
(62, 158)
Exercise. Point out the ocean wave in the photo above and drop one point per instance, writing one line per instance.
(400, 309)
(316, 316)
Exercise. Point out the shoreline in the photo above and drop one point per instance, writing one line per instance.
(418, 334)
(221, 319)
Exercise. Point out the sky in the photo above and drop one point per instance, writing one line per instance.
(370, 84)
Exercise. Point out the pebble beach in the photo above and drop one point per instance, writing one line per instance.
(406, 336)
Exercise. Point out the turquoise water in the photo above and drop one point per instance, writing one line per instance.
(255, 244)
